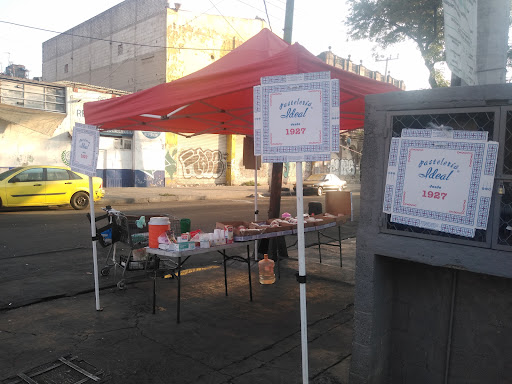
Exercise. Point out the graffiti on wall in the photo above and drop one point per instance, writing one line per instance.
(343, 167)
(202, 163)
(171, 165)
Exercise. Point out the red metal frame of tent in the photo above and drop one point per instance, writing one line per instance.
(218, 99)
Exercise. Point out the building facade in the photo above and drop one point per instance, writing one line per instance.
(137, 44)
(140, 44)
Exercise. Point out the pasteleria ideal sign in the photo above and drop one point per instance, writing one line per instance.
(296, 117)
(441, 180)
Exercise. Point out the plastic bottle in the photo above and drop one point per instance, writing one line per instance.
(266, 270)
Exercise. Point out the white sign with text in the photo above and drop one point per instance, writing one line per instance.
(296, 118)
(441, 180)
(84, 149)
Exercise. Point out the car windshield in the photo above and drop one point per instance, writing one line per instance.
(8, 173)
(317, 177)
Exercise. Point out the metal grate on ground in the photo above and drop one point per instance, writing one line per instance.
(65, 370)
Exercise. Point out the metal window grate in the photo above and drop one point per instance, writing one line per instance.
(507, 147)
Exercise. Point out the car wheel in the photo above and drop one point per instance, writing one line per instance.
(79, 200)
(319, 191)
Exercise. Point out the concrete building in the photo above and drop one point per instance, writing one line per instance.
(431, 306)
(37, 119)
(348, 65)
(139, 44)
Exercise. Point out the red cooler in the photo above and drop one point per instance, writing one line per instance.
(157, 226)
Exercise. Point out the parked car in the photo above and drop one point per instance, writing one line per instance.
(43, 185)
(322, 182)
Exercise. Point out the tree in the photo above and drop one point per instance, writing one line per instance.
(387, 22)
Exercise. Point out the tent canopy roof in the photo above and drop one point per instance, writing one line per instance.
(218, 99)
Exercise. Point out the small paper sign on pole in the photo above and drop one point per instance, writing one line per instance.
(84, 159)
(85, 149)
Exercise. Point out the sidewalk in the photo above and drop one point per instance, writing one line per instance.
(134, 195)
(220, 340)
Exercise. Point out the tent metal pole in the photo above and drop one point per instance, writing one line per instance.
(301, 278)
(256, 205)
(94, 249)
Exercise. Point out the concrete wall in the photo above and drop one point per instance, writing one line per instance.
(204, 39)
(24, 146)
(430, 307)
(139, 44)
(110, 60)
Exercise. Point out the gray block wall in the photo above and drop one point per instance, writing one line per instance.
(428, 309)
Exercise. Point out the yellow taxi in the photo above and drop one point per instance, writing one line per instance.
(44, 185)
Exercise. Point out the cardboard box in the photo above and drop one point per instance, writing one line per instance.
(266, 226)
(339, 202)
(282, 226)
(287, 226)
(325, 219)
(176, 247)
(234, 224)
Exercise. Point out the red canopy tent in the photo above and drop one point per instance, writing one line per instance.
(218, 99)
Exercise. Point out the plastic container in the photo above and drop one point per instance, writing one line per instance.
(157, 226)
(185, 225)
(266, 270)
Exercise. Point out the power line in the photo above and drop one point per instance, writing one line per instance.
(227, 21)
(114, 41)
(266, 11)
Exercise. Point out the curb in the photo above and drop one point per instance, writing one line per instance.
(143, 200)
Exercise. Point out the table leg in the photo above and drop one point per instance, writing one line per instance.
(339, 242)
(154, 292)
(225, 273)
(319, 246)
(178, 309)
(249, 267)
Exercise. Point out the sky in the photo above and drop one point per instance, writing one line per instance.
(317, 25)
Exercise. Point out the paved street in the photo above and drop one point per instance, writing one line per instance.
(48, 312)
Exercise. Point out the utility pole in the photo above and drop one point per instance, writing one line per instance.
(288, 21)
(278, 245)
(387, 59)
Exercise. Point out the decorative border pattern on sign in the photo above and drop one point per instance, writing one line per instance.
(409, 132)
(468, 218)
(483, 212)
(490, 160)
(455, 230)
(470, 135)
(335, 115)
(405, 220)
(295, 158)
(388, 197)
(257, 120)
(273, 80)
(393, 151)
